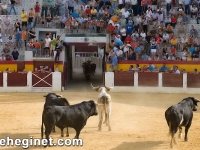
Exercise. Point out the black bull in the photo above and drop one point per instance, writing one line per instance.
(88, 69)
(56, 99)
(180, 115)
(74, 116)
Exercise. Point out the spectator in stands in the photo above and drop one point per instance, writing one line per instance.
(145, 56)
(24, 37)
(12, 2)
(32, 34)
(15, 54)
(24, 19)
(71, 4)
(119, 53)
(18, 35)
(4, 8)
(17, 25)
(195, 71)
(176, 71)
(185, 19)
(169, 29)
(31, 15)
(181, 28)
(44, 9)
(93, 12)
(193, 31)
(174, 21)
(167, 21)
(126, 48)
(37, 9)
(164, 68)
(47, 42)
(187, 6)
(193, 11)
(173, 50)
(172, 11)
(153, 48)
(2, 58)
(53, 8)
(7, 26)
(195, 54)
(48, 21)
(165, 37)
(174, 41)
(8, 70)
(184, 55)
(171, 57)
(192, 49)
(63, 19)
(131, 54)
(180, 10)
(37, 49)
(190, 40)
(198, 16)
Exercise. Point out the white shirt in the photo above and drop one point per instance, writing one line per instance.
(133, 2)
(143, 35)
(126, 14)
(47, 42)
(168, 1)
(120, 2)
(165, 36)
(138, 20)
(177, 72)
(126, 49)
(123, 30)
(2, 59)
(119, 53)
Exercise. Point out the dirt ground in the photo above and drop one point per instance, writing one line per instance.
(137, 121)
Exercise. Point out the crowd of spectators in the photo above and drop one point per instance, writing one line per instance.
(139, 29)
(152, 68)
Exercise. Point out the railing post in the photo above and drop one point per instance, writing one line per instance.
(5, 78)
(160, 78)
(29, 79)
(109, 79)
(136, 79)
(185, 80)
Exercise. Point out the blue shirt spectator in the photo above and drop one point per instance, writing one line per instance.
(151, 67)
(75, 14)
(164, 68)
(114, 61)
(118, 42)
(186, 2)
(111, 11)
(129, 28)
(80, 19)
(145, 57)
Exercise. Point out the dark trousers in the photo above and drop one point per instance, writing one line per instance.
(187, 9)
(195, 14)
(134, 7)
(145, 28)
(139, 10)
(168, 7)
(44, 11)
(71, 9)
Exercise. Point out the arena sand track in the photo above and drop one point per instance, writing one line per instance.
(137, 121)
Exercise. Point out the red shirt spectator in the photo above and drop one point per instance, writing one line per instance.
(88, 11)
(173, 19)
(173, 50)
(111, 28)
(158, 39)
(128, 39)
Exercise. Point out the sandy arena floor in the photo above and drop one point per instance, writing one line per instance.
(137, 121)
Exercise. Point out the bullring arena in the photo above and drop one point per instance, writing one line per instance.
(137, 121)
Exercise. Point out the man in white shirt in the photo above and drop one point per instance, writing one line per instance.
(165, 37)
(119, 54)
(176, 71)
(7, 26)
(126, 14)
(47, 42)
(193, 11)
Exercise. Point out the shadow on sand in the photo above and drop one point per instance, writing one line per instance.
(145, 145)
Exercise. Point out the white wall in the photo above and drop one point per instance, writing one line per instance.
(109, 81)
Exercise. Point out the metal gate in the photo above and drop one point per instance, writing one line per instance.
(42, 82)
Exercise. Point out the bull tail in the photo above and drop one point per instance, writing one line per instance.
(104, 101)
(42, 127)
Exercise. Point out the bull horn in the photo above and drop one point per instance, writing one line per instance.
(45, 96)
(108, 88)
(95, 88)
(58, 95)
(197, 100)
